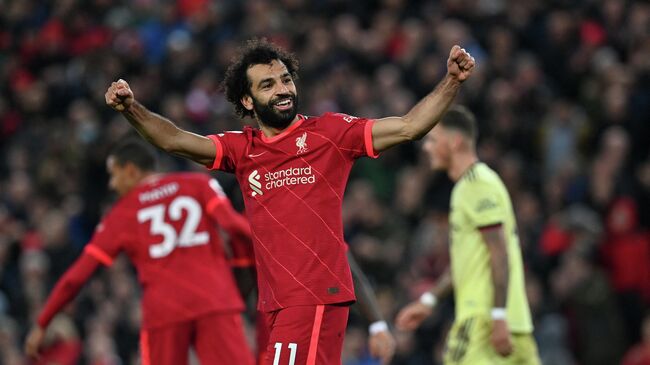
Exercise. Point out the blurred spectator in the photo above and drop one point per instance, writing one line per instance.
(551, 328)
(640, 353)
(585, 294)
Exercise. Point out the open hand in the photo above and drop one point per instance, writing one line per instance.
(460, 63)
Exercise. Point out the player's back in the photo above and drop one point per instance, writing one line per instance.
(176, 248)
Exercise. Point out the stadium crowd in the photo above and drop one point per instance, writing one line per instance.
(562, 96)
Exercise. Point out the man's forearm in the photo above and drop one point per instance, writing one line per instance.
(391, 131)
(495, 240)
(426, 113)
(444, 286)
(153, 127)
(500, 277)
(67, 287)
(365, 297)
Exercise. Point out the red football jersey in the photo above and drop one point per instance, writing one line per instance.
(164, 227)
(293, 187)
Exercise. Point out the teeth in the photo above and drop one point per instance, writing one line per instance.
(284, 102)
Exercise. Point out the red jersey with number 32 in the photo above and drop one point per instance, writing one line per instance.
(164, 228)
(293, 187)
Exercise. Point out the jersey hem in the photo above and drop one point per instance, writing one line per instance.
(193, 317)
(343, 301)
(489, 226)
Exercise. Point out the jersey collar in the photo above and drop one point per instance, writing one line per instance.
(284, 133)
(469, 169)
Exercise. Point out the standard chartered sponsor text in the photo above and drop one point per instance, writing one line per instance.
(290, 176)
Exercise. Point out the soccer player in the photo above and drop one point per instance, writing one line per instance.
(167, 226)
(292, 171)
(492, 324)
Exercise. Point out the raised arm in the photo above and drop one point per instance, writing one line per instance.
(158, 130)
(388, 132)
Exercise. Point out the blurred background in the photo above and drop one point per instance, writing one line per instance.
(561, 93)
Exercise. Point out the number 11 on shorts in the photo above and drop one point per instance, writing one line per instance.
(293, 347)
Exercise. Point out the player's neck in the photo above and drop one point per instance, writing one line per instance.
(460, 163)
(148, 177)
(270, 132)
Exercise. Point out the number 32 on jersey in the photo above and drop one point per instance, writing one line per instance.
(187, 237)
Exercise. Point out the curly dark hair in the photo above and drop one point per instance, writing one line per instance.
(255, 52)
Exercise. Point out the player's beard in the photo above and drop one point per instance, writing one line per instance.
(274, 118)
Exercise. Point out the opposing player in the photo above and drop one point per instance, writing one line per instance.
(167, 226)
(292, 172)
(492, 324)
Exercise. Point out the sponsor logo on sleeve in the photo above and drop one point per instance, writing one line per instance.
(347, 118)
(485, 204)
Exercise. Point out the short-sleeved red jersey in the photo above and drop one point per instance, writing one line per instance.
(164, 227)
(293, 187)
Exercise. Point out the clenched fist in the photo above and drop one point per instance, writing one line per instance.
(119, 96)
(460, 63)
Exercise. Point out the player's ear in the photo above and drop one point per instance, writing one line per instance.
(132, 169)
(247, 102)
(456, 140)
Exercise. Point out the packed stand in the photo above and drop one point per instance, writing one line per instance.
(562, 96)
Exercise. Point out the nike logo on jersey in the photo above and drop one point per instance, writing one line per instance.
(256, 154)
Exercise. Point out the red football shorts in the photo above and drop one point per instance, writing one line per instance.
(306, 335)
(216, 338)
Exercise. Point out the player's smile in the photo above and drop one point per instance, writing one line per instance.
(284, 104)
(279, 111)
